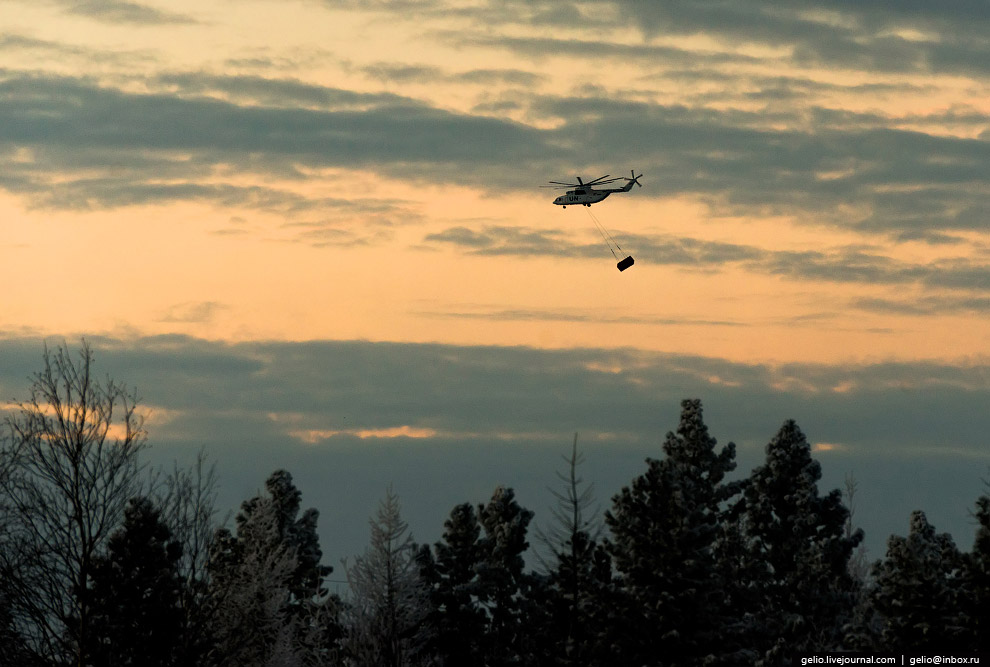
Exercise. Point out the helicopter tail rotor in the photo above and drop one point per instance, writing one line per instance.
(629, 181)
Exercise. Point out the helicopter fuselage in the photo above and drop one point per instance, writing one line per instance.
(581, 196)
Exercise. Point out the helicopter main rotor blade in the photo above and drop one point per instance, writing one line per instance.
(598, 180)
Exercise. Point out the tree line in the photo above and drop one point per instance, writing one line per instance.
(103, 562)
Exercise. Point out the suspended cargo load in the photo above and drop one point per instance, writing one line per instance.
(584, 193)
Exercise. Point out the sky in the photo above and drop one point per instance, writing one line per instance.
(310, 234)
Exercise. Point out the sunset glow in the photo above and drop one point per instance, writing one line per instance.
(812, 226)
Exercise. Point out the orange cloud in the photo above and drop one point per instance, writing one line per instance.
(313, 436)
(829, 447)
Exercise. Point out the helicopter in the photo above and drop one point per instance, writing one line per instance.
(584, 193)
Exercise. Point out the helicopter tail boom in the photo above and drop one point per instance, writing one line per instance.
(629, 183)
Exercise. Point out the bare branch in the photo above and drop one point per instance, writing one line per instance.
(71, 464)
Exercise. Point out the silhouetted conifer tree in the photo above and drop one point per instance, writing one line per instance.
(503, 584)
(799, 540)
(252, 622)
(269, 604)
(976, 584)
(664, 531)
(915, 594)
(739, 570)
(478, 586)
(455, 623)
(135, 594)
(567, 609)
(297, 532)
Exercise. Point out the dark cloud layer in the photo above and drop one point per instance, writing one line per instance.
(906, 183)
(491, 415)
(834, 34)
(794, 156)
(77, 124)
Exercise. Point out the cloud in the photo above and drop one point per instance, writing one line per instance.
(843, 264)
(117, 191)
(76, 125)
(121, 11)
(819, 447)
(839, 34)
(44, 52)
(271, 92)
(405, 73)
(504, 240)
(869, 35)
(353, 385)
(748, 107)
(660, 249)
(591, 48)
(514, 77)
(447, 423)
(96, 145)
(570, 315)
(925, 306)
(192, 312)
(43, 109)
(827, 113)
(315, 436)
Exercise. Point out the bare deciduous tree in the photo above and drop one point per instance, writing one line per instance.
(570, 515)
(388, 598)
(70, 461)
(859, 565)
(188, 499)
